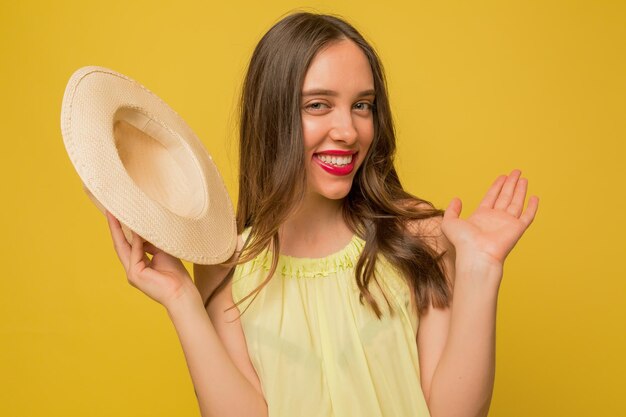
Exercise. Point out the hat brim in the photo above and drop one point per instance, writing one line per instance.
(198, 225)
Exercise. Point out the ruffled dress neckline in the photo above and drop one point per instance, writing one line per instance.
(304, 267)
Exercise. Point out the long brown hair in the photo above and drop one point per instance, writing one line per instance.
(272, 182)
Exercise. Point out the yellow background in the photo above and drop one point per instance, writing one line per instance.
(477, 88)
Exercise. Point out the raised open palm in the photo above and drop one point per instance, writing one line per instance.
(496, 225)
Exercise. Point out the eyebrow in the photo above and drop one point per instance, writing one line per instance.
(323, 92)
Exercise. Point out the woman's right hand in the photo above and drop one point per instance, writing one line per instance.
(163, 278)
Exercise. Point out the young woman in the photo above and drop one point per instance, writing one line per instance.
(336, 264)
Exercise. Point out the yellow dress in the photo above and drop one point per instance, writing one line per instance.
(317, 350)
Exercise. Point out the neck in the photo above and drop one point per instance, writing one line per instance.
(315, 228)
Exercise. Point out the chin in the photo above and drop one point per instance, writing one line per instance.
(336, 196)
(335, 193)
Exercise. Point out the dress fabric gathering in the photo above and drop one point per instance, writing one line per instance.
(317, 350)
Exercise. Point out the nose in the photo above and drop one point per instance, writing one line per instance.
(343, 129)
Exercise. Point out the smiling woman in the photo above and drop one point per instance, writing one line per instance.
(337, 299)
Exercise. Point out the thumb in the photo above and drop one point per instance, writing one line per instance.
(454, 209)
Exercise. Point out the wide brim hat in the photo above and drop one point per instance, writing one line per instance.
(138, 159)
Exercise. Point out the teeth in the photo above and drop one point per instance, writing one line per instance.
(335, 160)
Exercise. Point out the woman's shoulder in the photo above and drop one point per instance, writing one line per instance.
(208, 277)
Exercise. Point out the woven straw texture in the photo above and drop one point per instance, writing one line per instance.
(167, 188)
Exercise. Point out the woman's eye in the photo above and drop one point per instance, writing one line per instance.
(315, 106)
(364, 106)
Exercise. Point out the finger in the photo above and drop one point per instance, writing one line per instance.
(519, 195)
(150, 248)
(137, 254)
(490, 198)
(506, 194)
(454, 209)
(122, 248)
(531, 209)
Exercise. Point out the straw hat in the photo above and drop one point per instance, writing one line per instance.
(138, 159)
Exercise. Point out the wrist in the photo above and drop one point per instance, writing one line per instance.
(186, 302)
(478, 272)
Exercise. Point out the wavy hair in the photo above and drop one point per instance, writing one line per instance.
(272, 182)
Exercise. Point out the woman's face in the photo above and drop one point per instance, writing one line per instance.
(337, 118)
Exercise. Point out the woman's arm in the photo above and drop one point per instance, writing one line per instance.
(221, 388)
(226, 320)
(457, 344)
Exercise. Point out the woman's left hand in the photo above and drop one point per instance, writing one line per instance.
(491, 232)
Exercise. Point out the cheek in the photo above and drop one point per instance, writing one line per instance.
(310, 133)
(366, 133)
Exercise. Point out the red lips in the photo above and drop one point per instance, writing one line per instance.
(333, 169)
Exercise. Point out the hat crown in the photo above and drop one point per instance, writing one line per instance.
(159, 162)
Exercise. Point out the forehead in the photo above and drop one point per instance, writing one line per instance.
(341, 66)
